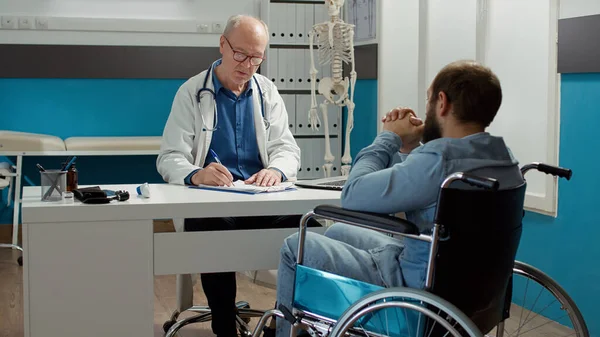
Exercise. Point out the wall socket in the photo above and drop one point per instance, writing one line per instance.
(41, 23)
(218, 27)
(8, 22)
(26, 22)
(203, 28)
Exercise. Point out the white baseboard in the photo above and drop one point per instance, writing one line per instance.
(266, 278)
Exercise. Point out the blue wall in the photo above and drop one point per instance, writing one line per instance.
(87, 107)
(365, 116)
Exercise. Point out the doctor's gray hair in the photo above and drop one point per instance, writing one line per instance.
(235, 20)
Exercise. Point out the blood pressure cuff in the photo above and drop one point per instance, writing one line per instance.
(82, 194)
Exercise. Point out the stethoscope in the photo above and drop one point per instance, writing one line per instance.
(205, 90)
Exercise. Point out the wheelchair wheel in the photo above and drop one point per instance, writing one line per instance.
(540, 307)
(403, 312)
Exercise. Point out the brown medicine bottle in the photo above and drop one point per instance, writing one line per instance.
(72, 178)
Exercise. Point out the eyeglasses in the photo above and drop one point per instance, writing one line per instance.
(241, 57)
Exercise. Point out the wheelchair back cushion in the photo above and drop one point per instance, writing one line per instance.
(479, 236)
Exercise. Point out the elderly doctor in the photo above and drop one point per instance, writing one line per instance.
(227, 124)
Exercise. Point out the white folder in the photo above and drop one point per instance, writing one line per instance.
(309, 19)
(282, 70)
(292, 64)
(300, 143)
(337, 153)
(317, 157)
(300, 32)
(272, 20)
(276, 9)
(290, 25)
(302, 108)
(302, 70)
(291, 68)
(299, 68)
(321, 14)
(290, 106)
(272, 65)
(306, 161)
(335, 124)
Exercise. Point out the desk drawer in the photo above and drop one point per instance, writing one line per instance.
(218, 251)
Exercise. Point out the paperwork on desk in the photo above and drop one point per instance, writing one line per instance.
(240, 186)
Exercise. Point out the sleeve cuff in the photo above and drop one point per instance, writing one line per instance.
(391, 141)
(283, 177)
(188, 179)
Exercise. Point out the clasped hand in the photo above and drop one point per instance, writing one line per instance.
(405, 123)
(215, 174)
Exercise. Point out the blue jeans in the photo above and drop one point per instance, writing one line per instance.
(349, 251)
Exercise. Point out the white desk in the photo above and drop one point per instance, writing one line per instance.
(89, 269)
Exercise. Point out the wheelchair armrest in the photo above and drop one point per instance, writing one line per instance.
(376, 221)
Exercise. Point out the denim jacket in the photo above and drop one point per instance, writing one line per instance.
(382, 180)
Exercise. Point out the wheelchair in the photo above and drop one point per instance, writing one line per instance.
(471, 298)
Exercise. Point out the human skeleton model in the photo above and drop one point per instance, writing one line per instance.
(335, 43)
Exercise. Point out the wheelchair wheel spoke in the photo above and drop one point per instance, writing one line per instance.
(434, 323)
(538, 314)
(431, 330)
(533, 307)
(419, 324)
(506, 332)
(541, 325)
(407, 322)
(524, 301)
(387, 323)
(365, 330)
(447, 332)
(397, 319)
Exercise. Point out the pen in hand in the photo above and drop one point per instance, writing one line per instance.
(215, 156)
(223, 170)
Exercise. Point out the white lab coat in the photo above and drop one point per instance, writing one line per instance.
(185, 145)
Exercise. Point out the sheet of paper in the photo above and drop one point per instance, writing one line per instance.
(240, 185)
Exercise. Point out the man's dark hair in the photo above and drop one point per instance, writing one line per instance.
(473, 90)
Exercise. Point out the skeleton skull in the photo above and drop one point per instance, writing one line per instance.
(334, 7)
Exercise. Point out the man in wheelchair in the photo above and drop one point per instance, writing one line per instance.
(402, 171)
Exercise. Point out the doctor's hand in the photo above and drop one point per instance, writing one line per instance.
(214, 174)
(265, 177)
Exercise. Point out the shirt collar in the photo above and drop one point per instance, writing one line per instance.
(219, 86)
